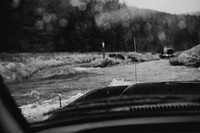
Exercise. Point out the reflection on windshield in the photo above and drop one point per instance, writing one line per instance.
(54, 51)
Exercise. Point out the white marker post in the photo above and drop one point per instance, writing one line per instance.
(103, 48)
(60, 100)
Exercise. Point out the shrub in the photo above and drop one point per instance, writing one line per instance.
(134, 59)
(120, 56)
(16, 67)
(197, 62)
(174, 61)
(117, 56)
(189, 57)
(112, 55)
(138, 57)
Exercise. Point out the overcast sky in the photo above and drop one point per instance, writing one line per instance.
(170, 6)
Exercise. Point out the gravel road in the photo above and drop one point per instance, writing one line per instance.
(70, 79)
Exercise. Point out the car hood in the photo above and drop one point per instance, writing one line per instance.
(141, 98)
(153, 88)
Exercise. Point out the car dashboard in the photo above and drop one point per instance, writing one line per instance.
(167, 124)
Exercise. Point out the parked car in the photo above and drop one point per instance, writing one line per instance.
(168, 52)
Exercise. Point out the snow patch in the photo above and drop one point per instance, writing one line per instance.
(119, 82)
(86, 69)
(35, 112)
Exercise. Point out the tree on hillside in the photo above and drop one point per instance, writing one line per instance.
(82, 25)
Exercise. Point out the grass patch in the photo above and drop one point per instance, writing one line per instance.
(17, 67)
(21, 66)
(142, 57)
(101, 63)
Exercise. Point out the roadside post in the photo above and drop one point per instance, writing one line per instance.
(135, 50)
(103, 48)
(60, 102)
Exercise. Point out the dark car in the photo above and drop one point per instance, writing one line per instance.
(168, 52)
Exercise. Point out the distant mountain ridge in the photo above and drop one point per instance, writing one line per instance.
(170, 29)
(195, 13)
(133, 8)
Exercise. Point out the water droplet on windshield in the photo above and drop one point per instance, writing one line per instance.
(106, 26)
(49, 27)
(114, 6)
(39, 25)
(125, 23)
(98, 8)
(74, 2)
(61, 41)
(46, 18)
(161, 36)
(148, 27)
(82, 6)
(39, 11)
(87, 1)
(150, 38)
(15, 3)
(53, 17)
(125, 17)
(182, 24)
(63, 22)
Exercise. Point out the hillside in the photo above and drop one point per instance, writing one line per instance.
(49, 25)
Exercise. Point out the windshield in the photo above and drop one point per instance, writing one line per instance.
(55, 51)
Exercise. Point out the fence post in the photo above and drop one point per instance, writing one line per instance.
(60, 102)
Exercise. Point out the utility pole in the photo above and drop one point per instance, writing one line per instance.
(103, 49)
(135, 50)
(135, 47)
